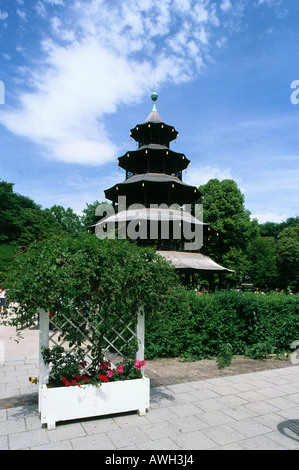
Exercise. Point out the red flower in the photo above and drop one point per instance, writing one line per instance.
(86, 379)
(73, 382)
(79, 377)
(67, 384)
(63, 380)
(103, 378)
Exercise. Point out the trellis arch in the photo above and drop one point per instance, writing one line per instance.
(114, 343)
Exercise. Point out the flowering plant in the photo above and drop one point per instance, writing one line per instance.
(33, 380)
(69, 369)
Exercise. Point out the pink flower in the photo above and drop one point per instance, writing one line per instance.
(110, 373)
(120, 369)
(139, 364)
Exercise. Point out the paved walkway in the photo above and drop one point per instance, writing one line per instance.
(251, 411)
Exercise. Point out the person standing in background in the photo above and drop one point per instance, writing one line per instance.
(2, 299)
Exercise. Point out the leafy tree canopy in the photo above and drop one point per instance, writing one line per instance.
(90, 216)
(66, 218)
(288, 256)
(224, 210)
(273, 229)
(263, 266)
(22, 220)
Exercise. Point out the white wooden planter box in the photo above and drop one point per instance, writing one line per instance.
(65, 403)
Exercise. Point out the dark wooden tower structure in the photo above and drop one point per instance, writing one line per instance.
(156, 197)
(153, 172)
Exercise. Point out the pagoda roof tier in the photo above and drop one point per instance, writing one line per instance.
(154, 188)
(152, 214)
(154, 117)
(153, 129)
(192, 261)
(153, 156)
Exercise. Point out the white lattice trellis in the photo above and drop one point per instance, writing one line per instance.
(65, 403)
(51, 334)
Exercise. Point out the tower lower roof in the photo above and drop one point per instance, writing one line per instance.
(192, 261)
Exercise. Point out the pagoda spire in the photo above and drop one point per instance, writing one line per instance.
(154, 97)
(154, 116)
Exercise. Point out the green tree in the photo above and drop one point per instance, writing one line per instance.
(273, 229)
(66, 218)
(89, 218)
(263, 266)
(270, 229)
(288, 257)
(224, 210)
(22, 220)
(11, 205)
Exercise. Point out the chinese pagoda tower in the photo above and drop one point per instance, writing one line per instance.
(154, 194)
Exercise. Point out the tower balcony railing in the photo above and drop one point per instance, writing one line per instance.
(177, 174)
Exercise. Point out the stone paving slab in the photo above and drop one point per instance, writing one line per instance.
(177, 420)
(233, 411)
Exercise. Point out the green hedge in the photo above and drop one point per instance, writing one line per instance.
(198, 325)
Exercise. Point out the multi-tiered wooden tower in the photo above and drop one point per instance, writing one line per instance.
(155, 195)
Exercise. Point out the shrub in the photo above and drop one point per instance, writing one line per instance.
(260, 350)
(197, 325)
(225, 355)
(96, 285)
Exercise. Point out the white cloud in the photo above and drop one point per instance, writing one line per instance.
(280, 13)
(3, 15)
(21, 14)
(225, 5)
(183, 5)
(54, 2)
(266, 216)
(198, 176)
(99, 55)
(74, 190)
(64, 114)
(41, 9)
(269, 2)
(221, 42)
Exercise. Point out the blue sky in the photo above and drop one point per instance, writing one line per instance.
(78, 76)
